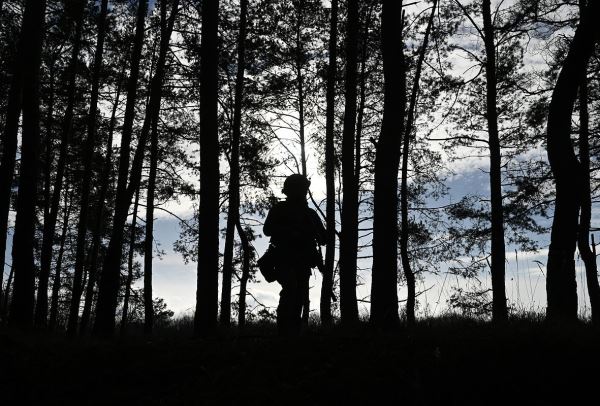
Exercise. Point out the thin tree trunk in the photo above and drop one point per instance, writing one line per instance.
(9, 280)
(408, 273)
(384, 294)
(245, 274)
(59, 260)
(327, 285)
(234, 173)
(208, 221)
(300, 84)
(151, 125)
(87, 174)
(499, 309)
(561, 285)
(349, 217)
(98, 229)
(49, 148)
(583, 240)
(361, 104)
(41, 312)
(9, 143)
(149, 234)
(30, 50)
(130, 257)
(149, 237)
(301, 122)
(109, 287)
(109, 283)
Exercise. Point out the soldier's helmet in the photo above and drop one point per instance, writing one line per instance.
(295, 185)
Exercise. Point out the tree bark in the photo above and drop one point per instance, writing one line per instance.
(300, 83)
(166, 28)
(48, 145)
(349, 217)
(130, 257)
(41, 313)
(233, 212)
(112, 261)
(384, 294)
(98, 229)
(301, 120)
(245, 274)
(327, 285)
(9, 144)
(87, 173)
(109, 283)
(585, 217)
(59, 260)
(561, 285)
(499, 309)
(9, 280)
(404, 235)
(208, 221)
(149, 237)
(30, 54)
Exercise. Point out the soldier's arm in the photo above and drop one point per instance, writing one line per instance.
(271, 222)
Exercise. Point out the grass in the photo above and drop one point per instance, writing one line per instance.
(444, 360)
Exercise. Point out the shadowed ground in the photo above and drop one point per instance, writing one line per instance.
(443, 361)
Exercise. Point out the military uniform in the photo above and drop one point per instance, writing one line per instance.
(295, 229)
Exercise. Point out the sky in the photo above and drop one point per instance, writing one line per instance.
(175, 281)
(525, 279)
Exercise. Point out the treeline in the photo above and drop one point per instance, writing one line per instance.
(114, 110)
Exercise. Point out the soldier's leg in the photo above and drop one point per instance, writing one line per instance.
(287, 299)
(302, 279)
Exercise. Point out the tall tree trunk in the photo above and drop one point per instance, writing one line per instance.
(384, 293)
(233, 212)
(245, 274)
(299, 4)
(151, 125)
(30, 54)
(561, 285)
(109, 289)
(300, 83)
(109, 282)
(327, 285)
(41, 311)
(499, 309)
(98, 228)
(585, 217)
(361, 104)
(208, 221)
(59, 260)
(9, 142)
(349, 217)
(7, 295)
(130, 257)
(149, 235)
(408, 273)
(87, 173)
(49, 148)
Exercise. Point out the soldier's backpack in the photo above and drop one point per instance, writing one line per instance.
(267, 264)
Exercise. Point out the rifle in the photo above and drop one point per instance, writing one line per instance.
(321, 267)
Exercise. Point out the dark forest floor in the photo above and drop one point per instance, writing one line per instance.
(440, 361)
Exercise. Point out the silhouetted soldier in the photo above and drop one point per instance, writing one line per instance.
(295, 230)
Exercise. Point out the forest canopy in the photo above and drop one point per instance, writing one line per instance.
(452, 148)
